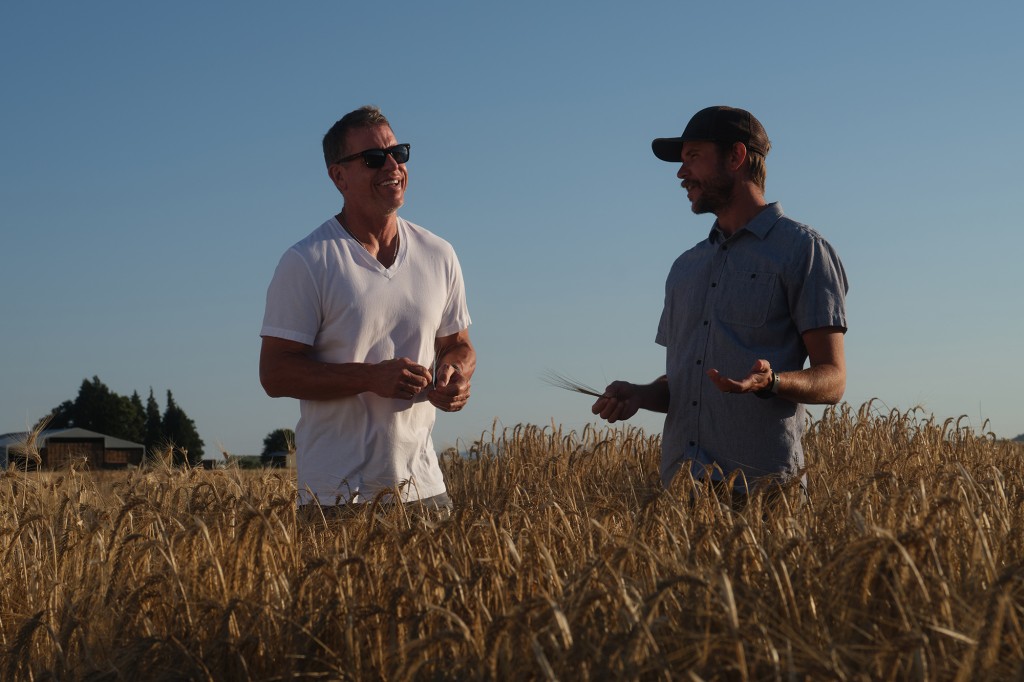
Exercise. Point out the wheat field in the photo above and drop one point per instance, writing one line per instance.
(563, 559)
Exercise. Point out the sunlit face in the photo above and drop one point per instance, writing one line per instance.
(709, 185)
(374, 190)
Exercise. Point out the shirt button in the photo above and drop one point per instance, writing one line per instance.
(693, 443)
(699, 361)
(695, 403)
(713, 285)
(705, 323)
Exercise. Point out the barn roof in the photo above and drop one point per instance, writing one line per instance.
(109, 442)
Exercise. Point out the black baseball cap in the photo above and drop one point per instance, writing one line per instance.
(715, 124)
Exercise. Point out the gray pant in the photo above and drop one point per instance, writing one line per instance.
(438, 506)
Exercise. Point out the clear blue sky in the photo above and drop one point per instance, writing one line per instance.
(156, 160)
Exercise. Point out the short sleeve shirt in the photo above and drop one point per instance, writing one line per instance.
(329, 293)
(729, 302)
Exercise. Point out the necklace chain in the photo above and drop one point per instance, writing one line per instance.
(360, 241)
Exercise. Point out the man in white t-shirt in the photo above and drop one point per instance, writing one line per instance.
(366, 324)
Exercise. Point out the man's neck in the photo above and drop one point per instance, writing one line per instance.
(378, 230)
(744, 207)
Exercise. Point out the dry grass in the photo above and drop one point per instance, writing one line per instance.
(563, 560)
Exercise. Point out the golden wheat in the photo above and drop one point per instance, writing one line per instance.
(563, 559)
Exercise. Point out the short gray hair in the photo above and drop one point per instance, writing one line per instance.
(364, 117)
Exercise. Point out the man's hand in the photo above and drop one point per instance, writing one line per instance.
(400, 378)
(621, 400)
(451, 389)
(760, 377)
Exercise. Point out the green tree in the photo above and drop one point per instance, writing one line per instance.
(276, 442)
(96, 407)
(180, 432)
(60, 417)
(99, 409)
(154, 425)
(135, 419)
(276, 446)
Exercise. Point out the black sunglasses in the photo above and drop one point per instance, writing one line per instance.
(375, 158)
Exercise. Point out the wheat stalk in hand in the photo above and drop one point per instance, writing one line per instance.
(557, 380)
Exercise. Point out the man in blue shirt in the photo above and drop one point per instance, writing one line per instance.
(745, 310)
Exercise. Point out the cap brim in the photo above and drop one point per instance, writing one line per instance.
(668, 149)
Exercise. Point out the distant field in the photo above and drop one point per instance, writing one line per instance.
(563, 560)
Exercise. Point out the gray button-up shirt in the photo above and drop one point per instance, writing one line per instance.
(728, 303)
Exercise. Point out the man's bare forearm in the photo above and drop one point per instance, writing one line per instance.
(286, 370)
(298, 376)
(457, 350)
(818, 385)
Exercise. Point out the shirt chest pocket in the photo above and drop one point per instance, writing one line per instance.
(746, 297)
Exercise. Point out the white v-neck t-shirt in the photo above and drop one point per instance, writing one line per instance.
(329, 293)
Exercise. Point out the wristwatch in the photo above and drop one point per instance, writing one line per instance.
(771, 389)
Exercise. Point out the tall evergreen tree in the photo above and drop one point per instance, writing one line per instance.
(154, 437)
(180, 431)
(97, 408)
(135, 419)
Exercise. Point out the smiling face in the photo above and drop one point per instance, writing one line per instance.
(379, 191)
(708, 183)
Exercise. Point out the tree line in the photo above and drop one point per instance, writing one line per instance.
(99, 409)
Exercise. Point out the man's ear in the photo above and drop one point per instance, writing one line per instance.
(337, 175)
(737, 155)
